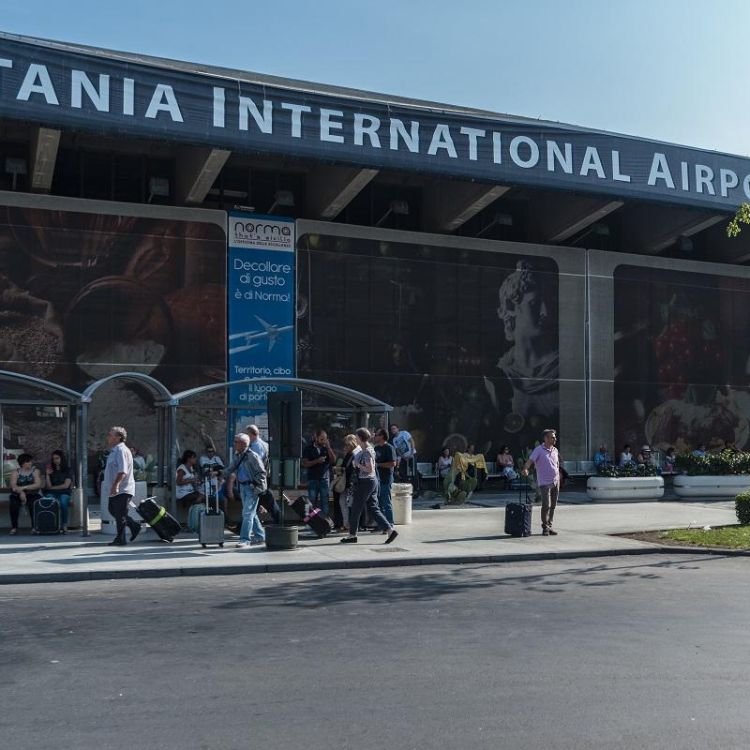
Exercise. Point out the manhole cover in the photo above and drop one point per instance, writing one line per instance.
(389, 549)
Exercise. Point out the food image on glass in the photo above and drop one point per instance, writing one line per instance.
(681, 358)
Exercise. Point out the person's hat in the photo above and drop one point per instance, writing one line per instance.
(646, 449)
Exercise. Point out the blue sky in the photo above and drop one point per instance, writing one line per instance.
(674, 70)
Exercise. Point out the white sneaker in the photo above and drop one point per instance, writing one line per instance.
(242, 545)
(256, 542)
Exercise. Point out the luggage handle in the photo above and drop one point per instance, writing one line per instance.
(523, 488)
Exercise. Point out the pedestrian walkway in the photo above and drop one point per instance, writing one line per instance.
(446, 536)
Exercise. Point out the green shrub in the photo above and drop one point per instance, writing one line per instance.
(742, 507)
(629, 470)
(725, 463)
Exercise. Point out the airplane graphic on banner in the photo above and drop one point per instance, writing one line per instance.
(270, 332)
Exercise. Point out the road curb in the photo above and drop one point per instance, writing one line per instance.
(324, 565)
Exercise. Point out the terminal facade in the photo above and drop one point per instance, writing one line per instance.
(487, 275)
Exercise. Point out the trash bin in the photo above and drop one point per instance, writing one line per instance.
(401, 502)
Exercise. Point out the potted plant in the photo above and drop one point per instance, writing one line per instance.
(724, 474)
(630, 482)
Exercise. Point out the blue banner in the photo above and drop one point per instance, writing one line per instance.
(261, 298)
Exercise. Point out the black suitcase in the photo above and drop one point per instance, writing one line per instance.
(518, 519)
(47, 516)
(518, 515)
(157, 517)
(312, 517)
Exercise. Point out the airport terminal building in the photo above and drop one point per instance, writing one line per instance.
(485, 274)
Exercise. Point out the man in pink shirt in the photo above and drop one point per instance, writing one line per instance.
(546, 460)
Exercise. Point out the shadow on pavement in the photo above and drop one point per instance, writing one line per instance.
(331, 589)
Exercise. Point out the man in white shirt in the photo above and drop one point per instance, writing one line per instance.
(257, 444)
(120, 484)
(406, 453)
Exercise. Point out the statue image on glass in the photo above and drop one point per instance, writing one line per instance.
(531, 364)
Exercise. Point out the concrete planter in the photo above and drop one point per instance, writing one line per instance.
(711, 486)
(281, 537)
(625, 488)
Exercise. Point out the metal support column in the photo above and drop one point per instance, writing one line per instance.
(82, 467)
(172, 456)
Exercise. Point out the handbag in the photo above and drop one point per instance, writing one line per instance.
(339, 483)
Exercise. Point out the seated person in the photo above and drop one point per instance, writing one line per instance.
(444, 462)
(505, 464)
(211, 458)
(187, 480)
(700, 450)
(211, 464)
(601, 457)
(645, 457)
(626, 457)
(669, 461)
(59, 482)
(25, 485)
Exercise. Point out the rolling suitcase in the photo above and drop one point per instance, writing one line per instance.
(194, 517)
(157, 517)
(47, 518)
(518, 515)
(210, 519)
(312, 517)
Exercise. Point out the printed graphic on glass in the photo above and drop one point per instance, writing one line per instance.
(681, 359)
(464, 344)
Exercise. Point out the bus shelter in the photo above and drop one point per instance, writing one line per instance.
(36, 404)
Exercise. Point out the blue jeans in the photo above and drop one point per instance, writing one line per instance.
(317, 492)
(64, 499)
(250, 520)
(384, 499)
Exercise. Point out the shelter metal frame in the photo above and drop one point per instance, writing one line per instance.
(166, 403)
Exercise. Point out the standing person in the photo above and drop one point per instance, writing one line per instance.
(318, 458)
(250, 475)
(119, 483)
(25, 483)
(351, 448)
(406, 453)
(547, 462)
(257, 444)
(385, 461)
(59, 481)
(365, 491)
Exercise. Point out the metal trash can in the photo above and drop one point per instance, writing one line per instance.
(401, 502)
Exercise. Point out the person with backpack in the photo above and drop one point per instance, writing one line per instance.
(251, 479)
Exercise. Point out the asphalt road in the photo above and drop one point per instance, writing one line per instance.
(646, 652)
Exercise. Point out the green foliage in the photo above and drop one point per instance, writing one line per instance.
(728, 537)
(726, 463)
(742, 216)
(742, 507)
(629, 470)
(459, 487)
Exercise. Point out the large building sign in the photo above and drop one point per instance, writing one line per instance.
(261, 299)
(64, 85)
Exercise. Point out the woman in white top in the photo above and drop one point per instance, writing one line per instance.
(444, 463)
(366, 490)
(187, 480)
(626, 457)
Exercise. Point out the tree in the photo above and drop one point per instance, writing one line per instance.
(742, 216)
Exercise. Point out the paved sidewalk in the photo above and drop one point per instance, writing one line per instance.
(447, 536)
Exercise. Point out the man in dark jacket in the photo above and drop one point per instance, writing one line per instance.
(251, 479)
